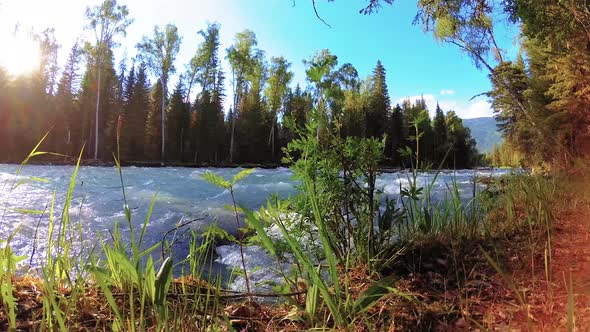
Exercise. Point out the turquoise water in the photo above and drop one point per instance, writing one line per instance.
(181, 195)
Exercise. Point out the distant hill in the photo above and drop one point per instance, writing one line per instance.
(485, 132)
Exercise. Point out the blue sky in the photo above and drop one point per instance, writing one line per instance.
(416, 64)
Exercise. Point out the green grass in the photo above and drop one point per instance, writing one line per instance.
(136, 292)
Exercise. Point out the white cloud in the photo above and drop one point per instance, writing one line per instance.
(464, 109)
(447, 92)
(478, 109)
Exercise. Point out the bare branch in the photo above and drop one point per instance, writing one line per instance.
(176, 228)
(315, 9)
(478, 95)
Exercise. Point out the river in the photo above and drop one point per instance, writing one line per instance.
(181, 195)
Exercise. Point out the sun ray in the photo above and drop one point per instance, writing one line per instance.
(19, 55)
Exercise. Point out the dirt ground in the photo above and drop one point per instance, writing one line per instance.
(544, 303)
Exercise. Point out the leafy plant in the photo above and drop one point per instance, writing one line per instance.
(220, 182)
(8, 262)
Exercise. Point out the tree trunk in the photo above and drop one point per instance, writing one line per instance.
(231, 141)
(237, 89)
(182, 144)
(96, 115)
(163, 155)
(271, 141)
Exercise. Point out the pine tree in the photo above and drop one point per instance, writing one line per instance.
(82, 133)
(426, 141)
(127, 88)
(66, 101)
(496, 156)
(355, 96)
(241, 57)
(107, 112)
(298, 105)
(379, 104)
(208, 119)
(138, 102)
(439, 131)
(396, 138)
(107, 20)
(217, 131)
(159, 52)
(153, 125)
(110, 110)
(463, 152)
(252, 136)
(178, 123)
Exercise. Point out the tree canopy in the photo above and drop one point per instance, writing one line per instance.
(191, 124)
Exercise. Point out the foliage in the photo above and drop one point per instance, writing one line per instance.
(335, 140)
(338, 207)
(159, 54)
(504, 156)
(8, 262)
(107, 20)
(191, 123)
(227, 185)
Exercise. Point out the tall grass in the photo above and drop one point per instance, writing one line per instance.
(8, 261)
(338, 210)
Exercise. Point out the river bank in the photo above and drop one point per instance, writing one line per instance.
(436, 280)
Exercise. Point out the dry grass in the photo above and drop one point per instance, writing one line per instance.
(449, 286)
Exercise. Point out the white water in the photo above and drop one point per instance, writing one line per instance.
(182, 194)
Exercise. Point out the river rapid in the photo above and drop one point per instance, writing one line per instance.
(180, 194)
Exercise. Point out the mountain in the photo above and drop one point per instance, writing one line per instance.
(485, 132)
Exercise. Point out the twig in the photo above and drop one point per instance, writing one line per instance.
(238, 295)
(478, 95)
(315, 9)
(176, 229)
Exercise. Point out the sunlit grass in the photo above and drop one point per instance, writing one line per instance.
(135, 291)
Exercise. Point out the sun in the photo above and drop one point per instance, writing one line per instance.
(19, 54)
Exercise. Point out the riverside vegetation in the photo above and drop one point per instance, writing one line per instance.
(354, 265)
(357, 263)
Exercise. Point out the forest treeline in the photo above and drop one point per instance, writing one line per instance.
(93, 97)
(542, 96)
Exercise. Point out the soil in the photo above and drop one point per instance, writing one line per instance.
(545, 305)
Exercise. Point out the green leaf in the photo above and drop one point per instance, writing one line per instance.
(102, 278)
(38, 179)
(242, 174)
(27, 211)
(148, 250)
(163, 280)
(311, 299)
(148, 216)
(258, 225)
(150, 279)
(126, 267)
(216, 180)
(373, 294)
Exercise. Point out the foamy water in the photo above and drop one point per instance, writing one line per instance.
(181, 194)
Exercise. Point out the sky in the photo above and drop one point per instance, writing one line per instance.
(416, 64)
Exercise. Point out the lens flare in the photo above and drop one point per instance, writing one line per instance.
(19, 55)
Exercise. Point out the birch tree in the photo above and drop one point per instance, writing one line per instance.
(159, 53)
(107, 20)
